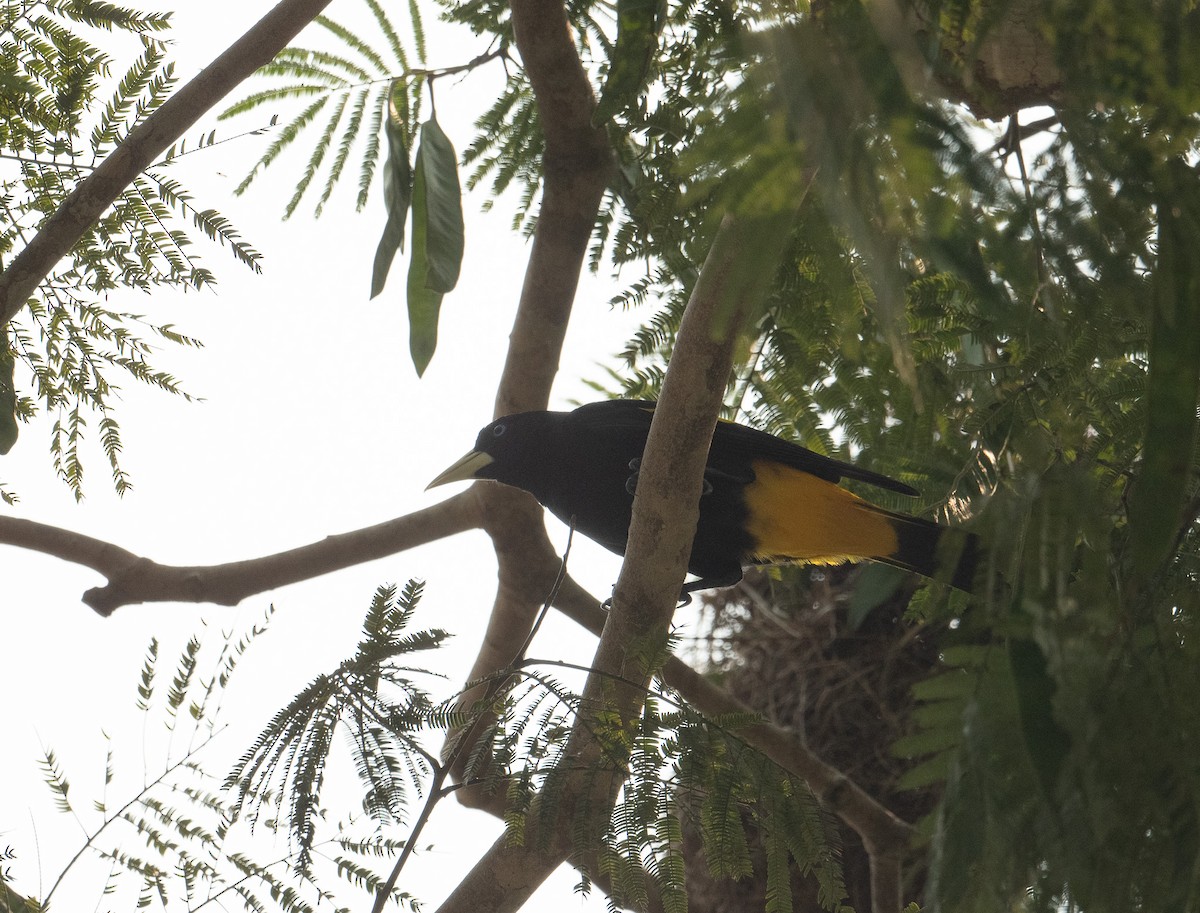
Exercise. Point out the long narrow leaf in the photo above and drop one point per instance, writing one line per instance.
(350, 38)
(437, 248)
(389, 31)
(397, 196)
(424, 304)
(444, 240)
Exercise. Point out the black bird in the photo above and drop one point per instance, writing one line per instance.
(764, 500)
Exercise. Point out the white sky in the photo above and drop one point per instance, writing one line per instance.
(313, 423)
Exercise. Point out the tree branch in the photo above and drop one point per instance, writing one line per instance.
(887, 889)
(145, 143)
(665, 511)
(871, 820)
(576, 167)
(133, 578)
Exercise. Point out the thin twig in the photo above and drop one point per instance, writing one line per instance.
(436, 794)
(116, 816)
(558, 582)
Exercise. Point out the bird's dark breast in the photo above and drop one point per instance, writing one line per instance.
(599, 474)
(591, 493)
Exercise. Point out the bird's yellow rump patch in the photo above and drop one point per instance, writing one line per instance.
(795, 516)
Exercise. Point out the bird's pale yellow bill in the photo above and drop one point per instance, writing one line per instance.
(463, 470)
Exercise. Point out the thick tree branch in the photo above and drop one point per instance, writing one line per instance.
(664, 521)
(526, 569)
(133, 579)
(576, 167)
(887, 888)
(145, 143)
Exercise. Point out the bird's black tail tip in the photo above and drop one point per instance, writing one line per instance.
(941, 553)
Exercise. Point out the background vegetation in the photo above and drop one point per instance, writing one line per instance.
(951, 241)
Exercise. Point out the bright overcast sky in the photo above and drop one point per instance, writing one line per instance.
(313, 423)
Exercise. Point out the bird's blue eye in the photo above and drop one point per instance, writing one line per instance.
(498, 430)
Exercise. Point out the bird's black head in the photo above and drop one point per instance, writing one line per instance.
(516, 449)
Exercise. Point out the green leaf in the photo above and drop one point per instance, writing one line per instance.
(8, 398)
(424, 304)
(442, 201)
(397, 196)
(876, 585)
(437, 240)
(1174, 384)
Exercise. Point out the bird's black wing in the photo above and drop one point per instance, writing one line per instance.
(734, 443)
(750, 443)
(615, 413)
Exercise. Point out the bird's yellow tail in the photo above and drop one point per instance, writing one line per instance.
(794, 516)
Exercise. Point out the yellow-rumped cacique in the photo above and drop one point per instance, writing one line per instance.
(764, 500)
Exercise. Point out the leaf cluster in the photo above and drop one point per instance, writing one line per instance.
(1005, 320)
(348, 93)
(62, 112)
(686, 774)
(372, 699)
(685, 771)
(360, 93)
(694, 775)
(175, 840)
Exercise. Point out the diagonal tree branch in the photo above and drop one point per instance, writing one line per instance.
(664, 521)
(872, 821)
(145, 143)
(576, 167)
(133, 579)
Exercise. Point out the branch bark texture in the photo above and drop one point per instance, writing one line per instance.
(665, 511)
(145, 143)
(576, 166)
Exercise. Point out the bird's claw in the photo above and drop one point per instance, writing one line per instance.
(685, 598)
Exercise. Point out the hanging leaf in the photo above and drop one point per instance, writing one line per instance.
(876, 585)
(442, 200)
(437, 240)
(8, 398)
(424, 304)
(1174, 384)
(397, 196)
